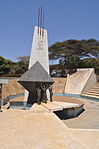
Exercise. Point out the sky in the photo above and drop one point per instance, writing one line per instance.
(64, 19)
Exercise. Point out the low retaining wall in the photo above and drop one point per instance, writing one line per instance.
(11, 88)
(70, 112)
(97, 78)
(6, 100)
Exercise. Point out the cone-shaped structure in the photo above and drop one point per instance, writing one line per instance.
(36, 74)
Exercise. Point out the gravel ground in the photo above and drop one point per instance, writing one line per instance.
(89, 119)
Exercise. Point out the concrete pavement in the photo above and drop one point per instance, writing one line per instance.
(89, 119)
(42, 130)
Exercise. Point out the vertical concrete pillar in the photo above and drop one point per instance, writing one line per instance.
(39, 52)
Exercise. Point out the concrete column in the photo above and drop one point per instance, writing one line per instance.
(39, 52)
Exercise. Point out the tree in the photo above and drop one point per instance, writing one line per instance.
(25, 59)
(73, 54)
(5, 65)
(1, 60)
(5, 68)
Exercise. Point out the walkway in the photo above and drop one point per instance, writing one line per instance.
(41, 129)
(52, 106)
(89, 119)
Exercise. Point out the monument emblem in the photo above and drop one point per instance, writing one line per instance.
(40, 45)
(36, 80)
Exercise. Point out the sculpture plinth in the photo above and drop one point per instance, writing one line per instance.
(36, 81)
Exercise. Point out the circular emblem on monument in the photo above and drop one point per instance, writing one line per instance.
(40, 45)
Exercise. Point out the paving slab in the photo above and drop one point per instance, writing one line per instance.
(52, 107)
(89, 119)
(38, 108)
(65, 104)
(89, 138)
(32, 130)
(25, 129)
(73, 100)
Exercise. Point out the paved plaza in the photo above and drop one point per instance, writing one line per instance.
(42, 130)
(89, 119)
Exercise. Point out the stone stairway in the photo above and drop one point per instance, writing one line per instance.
(93, 91)
(77, 81)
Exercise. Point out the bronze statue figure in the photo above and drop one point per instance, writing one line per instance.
(51, 93)
(41, 92)
(36, 81)
(38, 89)
(44, 95)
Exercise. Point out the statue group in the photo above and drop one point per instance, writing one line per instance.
(41, 90)
(37, 82)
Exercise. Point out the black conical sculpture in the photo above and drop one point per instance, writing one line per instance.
(34, 78)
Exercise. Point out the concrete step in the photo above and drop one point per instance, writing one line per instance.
(92, 96)
(89, 93)
(96, 92)
(52, 107)
(93, 90)
(95, 87)
(38, 108)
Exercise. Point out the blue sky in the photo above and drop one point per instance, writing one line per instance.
(64, 19)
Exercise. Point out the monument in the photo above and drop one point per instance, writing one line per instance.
(39, 50)
(36, 81)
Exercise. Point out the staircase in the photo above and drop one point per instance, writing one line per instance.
(78, 81)
(93, 91)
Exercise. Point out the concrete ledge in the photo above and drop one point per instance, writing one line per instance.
(5, 100)
(38, 109)
(70, 112)
(65, 105)
(90, 97)
(6, 106)
(63, 110)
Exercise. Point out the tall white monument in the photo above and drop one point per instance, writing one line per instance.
(39, 50)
